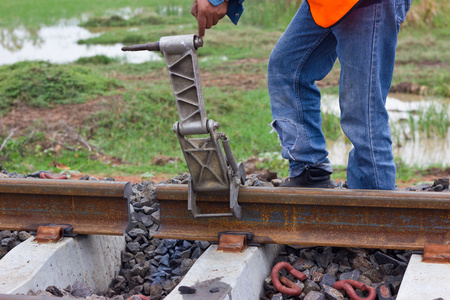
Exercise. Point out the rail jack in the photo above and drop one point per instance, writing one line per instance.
(211, 170)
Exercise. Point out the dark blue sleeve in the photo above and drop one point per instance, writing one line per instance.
(235, 9)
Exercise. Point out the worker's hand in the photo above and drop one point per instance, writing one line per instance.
(208, 15)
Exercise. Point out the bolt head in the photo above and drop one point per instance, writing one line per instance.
(198, 42)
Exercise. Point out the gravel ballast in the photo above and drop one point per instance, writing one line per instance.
(323, 266)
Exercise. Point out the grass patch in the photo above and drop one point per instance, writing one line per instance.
(275, 14)
(24, 158)
(32, 14)
(339, 173)
(143, 125)
(42, 84)
(433, 121)
(429, 80)
(407, 173)
(331, 126)
(429, 13)
(95, 60)
(404, 172)
(118, 21)
(138, 20)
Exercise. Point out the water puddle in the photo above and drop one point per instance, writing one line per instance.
(408, 144)
(170, 10)
(420, 152)
(214, 58)
(125, 12)
(58, 44)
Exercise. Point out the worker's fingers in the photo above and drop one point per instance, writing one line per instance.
(207, 15)
(194, 10)
(201, 20)
(222, 9)
(216, 19)
(209, 22)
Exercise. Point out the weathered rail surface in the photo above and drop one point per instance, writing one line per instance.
(27, 297)
(91, 207)
(342, 218)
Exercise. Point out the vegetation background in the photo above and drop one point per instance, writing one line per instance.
(99, 115)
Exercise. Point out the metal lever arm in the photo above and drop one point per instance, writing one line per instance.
(144, 47)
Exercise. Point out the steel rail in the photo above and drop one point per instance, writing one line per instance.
(319, 217)
(29, 297)
(91, 207)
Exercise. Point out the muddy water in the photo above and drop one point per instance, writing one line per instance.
(58, 44)
(412, 147)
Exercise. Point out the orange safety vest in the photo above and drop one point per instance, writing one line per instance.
(327, 12)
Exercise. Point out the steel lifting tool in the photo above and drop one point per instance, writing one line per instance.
(211, 169)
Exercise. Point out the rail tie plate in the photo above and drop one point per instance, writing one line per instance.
(317, 217)
(91, 207)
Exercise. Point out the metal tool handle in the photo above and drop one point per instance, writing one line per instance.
(180, 53)
(170, 47)
(149, 47)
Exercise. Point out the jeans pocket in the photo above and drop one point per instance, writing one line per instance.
(401, 10)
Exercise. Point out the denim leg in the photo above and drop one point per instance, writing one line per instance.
(366, 41)
(304, 54)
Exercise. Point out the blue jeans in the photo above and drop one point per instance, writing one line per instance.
(364, 41)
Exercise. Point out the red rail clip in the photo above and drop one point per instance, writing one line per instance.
(289, 288)
(348, 286)
(44, 175)
(140, 296)
(49, 234)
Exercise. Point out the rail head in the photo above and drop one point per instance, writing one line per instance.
(315, 217)
(27, 297)
(325, 197)
(65, 187)
(91, 207)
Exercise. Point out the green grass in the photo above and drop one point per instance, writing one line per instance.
(429, 14)
(42, 84)
(34, 13)
(270, 14)
(408, 173)
(144, 124)
(143, 19)
(25, 156)
(423, 58)
(331, 126)
(95, 60)
(434, 121)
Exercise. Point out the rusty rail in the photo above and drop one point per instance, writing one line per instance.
(91, 207)
(28, 297)
(342, 218)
